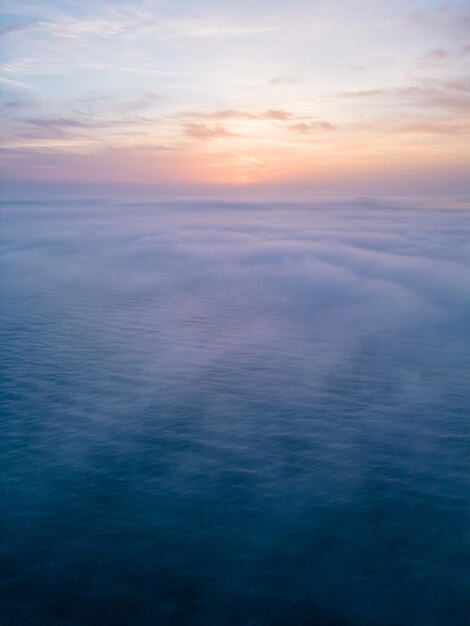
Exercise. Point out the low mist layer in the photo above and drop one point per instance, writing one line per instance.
(234, 414)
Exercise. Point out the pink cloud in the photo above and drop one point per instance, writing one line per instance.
(308, 127)
(204, 131)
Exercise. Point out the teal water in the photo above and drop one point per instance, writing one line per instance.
(233, 414)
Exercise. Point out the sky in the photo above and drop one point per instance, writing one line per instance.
(299, 97)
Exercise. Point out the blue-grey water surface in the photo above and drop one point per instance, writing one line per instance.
(221, 414)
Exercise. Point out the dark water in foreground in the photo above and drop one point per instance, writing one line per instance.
(234, 416)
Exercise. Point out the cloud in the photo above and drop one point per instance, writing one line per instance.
(276, 114)
(446, 54)
(237, 114)
(460, 84)
(11, 22)
(204, 131)
(226, 114)
(281, 80)
(131, 24)
(464, 50)
(16, 83)
(207, 131)
(76, 28)
(362, 93)
(436, 128)
(458, 22)
(144, 101)
(59, 123)
(444, 21)
(308, 127)
(16, 103)
(438, 54)
(64, 124)
(451, 94)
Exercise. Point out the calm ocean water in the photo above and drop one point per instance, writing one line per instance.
(221, 414)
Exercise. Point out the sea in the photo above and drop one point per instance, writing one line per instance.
(227, 413)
